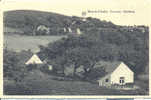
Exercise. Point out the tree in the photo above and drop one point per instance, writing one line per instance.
(12, 68)
(32, 23)
(88, 49)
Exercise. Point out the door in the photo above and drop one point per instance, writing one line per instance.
(122, 80)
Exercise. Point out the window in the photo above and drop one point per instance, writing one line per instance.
(107, 80)
(122, 80)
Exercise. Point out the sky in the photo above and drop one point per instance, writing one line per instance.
(140, 9)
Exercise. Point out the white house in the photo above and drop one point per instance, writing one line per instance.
(43, 28)
(117, 73)
(34, 60)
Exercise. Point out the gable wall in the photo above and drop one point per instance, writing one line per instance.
(122, 71)
(34, 60)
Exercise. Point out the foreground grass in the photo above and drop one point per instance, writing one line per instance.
(38, 83)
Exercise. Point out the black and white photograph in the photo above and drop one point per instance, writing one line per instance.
(89, 52)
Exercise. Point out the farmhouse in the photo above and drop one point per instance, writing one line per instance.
(117, 73)
(34, 60)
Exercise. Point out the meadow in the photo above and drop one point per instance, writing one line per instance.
(23, 42)
(39, 83)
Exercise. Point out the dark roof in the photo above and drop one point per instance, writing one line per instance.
(24, 56)
(109, 66)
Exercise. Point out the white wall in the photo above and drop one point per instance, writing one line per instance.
(122, 71)
(34, 60)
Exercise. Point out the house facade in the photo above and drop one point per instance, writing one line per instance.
(121, 75)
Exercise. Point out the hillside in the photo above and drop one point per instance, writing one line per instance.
(20, 18)
(128, 43)
(27, 21)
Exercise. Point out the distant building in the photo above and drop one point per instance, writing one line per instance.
(117, 73)
(43, 28)
(50, 67)
(34, 60)
(78, 31)
(64, 29)
(69, 30)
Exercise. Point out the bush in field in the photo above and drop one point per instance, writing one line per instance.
(95, 73)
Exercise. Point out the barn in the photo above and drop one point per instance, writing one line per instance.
(116, 73)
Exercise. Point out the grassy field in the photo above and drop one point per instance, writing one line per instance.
(39, 83)
(23, 42)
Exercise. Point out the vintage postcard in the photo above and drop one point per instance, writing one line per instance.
(75, 48)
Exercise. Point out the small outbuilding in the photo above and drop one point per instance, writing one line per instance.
(34, 60)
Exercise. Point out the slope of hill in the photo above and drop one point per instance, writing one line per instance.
(28, 21)
(20, 18)
(128, 39)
